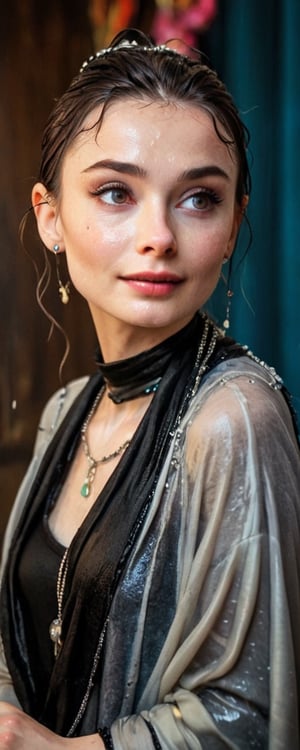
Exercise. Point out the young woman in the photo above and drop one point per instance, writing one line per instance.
(150, 592)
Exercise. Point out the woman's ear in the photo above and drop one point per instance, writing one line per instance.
(45, 209)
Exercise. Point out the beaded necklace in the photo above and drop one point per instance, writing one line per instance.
(93, 463)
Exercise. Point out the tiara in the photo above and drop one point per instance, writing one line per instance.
(127, 44)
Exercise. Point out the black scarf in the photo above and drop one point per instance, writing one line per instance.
(101, 547)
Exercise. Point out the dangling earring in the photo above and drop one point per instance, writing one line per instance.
(63, 289)
(229, 295)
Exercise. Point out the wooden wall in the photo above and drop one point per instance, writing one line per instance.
(41, 47)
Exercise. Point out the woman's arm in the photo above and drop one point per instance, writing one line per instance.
(230, 679)
(19, 732)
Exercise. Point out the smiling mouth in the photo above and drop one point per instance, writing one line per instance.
(154, 278)
(153, 284)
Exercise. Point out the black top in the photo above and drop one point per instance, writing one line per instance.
(38, 570)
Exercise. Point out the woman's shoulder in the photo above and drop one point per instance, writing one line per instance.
(242, 394)
(52, 415)
(56, 408)
(61, 400)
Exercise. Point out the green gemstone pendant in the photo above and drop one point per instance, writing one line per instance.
(86, 488)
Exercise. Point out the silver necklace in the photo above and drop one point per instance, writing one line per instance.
(93, 463)
(55, 627)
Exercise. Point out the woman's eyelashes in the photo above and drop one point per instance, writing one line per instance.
(201, 199)
(114, 194)
(118, 194)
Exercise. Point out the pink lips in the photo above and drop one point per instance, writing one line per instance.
(153, 284)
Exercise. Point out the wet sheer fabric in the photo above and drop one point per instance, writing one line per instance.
(226, 550)
(202, 640)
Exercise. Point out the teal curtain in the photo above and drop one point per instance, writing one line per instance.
(255, 47)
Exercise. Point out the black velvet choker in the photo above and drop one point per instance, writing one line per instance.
(140, 375)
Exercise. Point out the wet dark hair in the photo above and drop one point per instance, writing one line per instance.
(139, 70)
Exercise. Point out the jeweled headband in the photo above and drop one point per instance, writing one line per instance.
(134, 44)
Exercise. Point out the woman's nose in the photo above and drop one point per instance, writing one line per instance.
(155, 233)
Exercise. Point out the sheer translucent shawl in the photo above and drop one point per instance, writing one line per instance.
(222, 542)
(208, 652)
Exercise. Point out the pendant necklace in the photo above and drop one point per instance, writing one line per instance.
(55, 627)
(93, 463)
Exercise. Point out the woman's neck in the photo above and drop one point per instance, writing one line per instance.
(119, 341)
(140, 375)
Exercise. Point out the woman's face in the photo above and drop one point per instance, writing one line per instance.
(147, 213)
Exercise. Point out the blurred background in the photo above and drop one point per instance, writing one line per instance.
(254, 46)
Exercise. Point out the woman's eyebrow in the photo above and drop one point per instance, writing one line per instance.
(117, 166)
(124, 167)
(208, 170)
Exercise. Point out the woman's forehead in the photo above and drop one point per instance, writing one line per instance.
(172, 135)
(148, 116)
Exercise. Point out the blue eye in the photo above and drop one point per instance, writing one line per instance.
(113, 194)
(201, 200)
